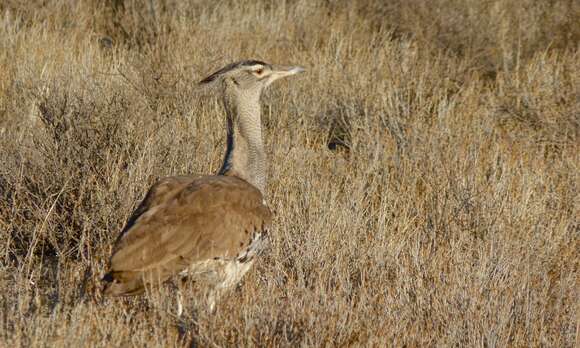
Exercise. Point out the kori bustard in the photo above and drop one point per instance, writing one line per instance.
(209, 227)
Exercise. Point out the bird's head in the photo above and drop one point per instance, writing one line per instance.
(250, 76)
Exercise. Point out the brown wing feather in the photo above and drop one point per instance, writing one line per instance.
(157, 195)
(180, 221)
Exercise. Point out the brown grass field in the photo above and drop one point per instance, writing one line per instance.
(424, 172)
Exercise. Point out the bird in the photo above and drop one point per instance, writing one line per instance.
(209, 227)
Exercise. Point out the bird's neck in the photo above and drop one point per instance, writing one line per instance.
(245, 157)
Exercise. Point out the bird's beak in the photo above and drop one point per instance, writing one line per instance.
(284, 71)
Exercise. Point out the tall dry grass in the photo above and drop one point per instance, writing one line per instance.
(446, 213)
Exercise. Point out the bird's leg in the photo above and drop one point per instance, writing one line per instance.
(177, 286)
(211, 299)
(214, 295)
(179, 303)
(211, 303)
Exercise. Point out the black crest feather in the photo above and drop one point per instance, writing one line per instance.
(230, 67)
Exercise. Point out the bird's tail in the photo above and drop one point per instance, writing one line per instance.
(122, 284)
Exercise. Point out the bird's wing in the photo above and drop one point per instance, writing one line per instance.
(182, 221)
(160, 193)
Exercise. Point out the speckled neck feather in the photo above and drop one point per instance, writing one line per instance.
(245, 157)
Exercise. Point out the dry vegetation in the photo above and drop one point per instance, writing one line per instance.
(424, 173)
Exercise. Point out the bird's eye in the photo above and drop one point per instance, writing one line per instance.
(259, 71)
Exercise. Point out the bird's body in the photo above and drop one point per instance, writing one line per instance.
(208, 228)
(186, 226)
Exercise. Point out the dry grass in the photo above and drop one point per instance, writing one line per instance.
(446, 216)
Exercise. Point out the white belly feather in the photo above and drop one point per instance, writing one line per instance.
(224, 273)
